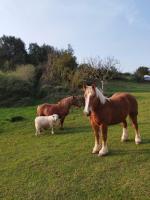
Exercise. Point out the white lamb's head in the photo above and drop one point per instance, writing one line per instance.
(55, 117)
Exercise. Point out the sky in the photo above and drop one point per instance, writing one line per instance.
(94, 28)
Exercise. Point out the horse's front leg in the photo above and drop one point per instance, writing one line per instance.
(104, 149)
(97, 145)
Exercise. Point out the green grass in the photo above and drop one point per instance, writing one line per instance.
(62, 167)
(127, 86)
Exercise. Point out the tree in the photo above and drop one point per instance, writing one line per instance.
(12, 52)
(103, 69)
(140, 72)
(45, 51)
(84, 73)
(39, 54)
(59, 68)
(34, 53)
(49, 74)
(65, 66)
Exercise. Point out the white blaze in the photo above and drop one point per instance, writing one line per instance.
(86, 108)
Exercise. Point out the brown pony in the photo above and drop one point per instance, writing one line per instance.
(105, 111)
(61, 108)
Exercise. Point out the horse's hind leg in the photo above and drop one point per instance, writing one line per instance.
(62, 123)
(135, 125)
(124, 136)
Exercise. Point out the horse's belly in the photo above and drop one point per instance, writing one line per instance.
(115, 122)
(110, 117)
(117, 118)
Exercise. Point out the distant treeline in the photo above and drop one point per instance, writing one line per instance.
(41, 71)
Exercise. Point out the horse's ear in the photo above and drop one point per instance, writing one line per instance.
(93, 86)
(84, 86)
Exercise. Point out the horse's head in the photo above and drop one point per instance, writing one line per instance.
(77, 101)
(91, 95)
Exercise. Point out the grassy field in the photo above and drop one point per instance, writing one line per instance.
(62, 167)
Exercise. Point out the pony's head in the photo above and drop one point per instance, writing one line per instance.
(91, 94)
(76, 101)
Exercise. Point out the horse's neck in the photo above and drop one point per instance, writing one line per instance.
(97, 105)
(65, 105)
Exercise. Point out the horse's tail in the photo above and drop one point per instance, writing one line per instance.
(38, 111)
(133, 105)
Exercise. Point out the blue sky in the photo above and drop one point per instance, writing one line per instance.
(119, 28)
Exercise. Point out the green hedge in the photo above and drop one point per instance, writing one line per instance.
(14, 91)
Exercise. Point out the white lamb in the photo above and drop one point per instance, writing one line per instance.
(43, 122)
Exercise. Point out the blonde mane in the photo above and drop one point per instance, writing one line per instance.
(100, 95)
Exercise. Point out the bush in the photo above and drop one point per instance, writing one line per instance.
(140, 72)
(51, 91)
(77, 80)
(14, 90)
(23, 72)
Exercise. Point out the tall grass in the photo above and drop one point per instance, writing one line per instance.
(23, 72)
(17, 87)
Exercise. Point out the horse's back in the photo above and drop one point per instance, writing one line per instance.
(128, 99)
(45, 109)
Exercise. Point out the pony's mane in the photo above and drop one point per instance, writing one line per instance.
(65, 100)
(100, 95)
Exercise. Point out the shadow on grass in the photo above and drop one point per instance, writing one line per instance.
(73, 130)
(145, 141)
(128, 152)
(120, 152)
(67, 130)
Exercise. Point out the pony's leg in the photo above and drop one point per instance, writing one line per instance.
(97, 145)
(124, 136)
(61, 123)
(135, 125)
(104, 149)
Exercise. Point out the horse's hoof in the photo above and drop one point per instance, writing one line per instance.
(103, 154)
(96, 149)
(95, 152)
(124, 138)
(138, 140)
(103, 151)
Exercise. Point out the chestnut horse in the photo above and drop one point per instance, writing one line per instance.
(105, 111)
(61, 108)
